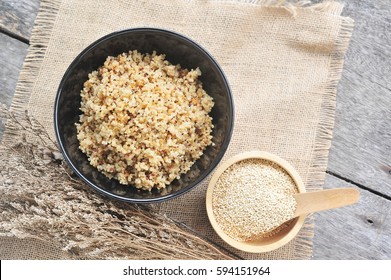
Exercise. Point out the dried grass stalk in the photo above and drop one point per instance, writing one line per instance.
(41, 199)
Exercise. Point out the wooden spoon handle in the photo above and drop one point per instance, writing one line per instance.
(326, 199)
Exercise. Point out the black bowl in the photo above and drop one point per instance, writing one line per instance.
(178, 50)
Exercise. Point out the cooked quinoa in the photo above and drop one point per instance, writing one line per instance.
(252, 198)
(144, 121)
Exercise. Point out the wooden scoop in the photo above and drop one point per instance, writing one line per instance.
(316, 201)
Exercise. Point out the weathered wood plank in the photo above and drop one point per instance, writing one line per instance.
(361, 147)
(12, 56)
(371, 51)
(17, 17)
(359, 231)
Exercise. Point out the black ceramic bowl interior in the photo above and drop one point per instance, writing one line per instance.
(178, 50)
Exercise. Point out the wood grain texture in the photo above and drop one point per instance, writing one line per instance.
(359, 231)
(321, 200)
(361, 147)
(17, 17)
(371, 51)
(12, 56)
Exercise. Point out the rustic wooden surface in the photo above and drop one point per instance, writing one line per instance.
(17, 17)
(359, 231)
(361, 148)
(360, 155)
(12, 56)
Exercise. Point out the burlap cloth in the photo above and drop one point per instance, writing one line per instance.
(283, 62)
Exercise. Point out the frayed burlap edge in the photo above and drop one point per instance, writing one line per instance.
(326, 122)
(40, 38)
(317, 172)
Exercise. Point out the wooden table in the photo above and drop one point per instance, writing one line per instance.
(360, 155)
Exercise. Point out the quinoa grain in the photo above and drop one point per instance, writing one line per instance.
(144, 121)
(252, 198)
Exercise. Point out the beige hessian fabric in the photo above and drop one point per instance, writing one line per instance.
(283, 63)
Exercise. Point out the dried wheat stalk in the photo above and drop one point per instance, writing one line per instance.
(40, 199)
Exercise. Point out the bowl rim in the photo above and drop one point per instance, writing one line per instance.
(250, 247)
(164, 197)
